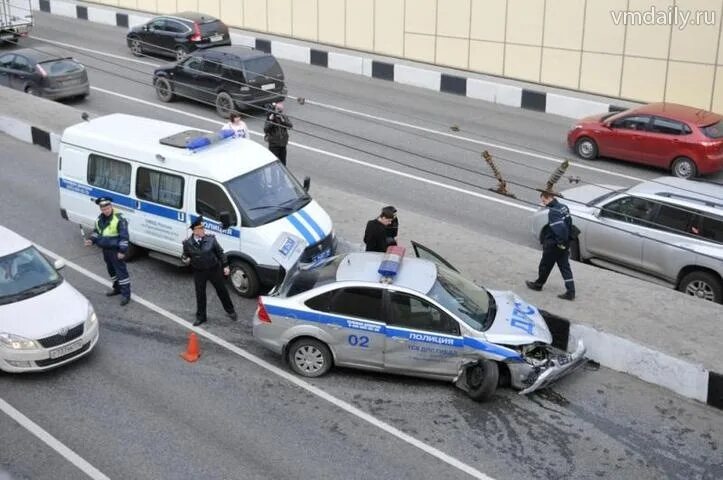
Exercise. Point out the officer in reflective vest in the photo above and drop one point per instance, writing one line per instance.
(111, 234)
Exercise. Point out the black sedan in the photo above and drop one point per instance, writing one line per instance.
(231, 78)
(43, 74)
(177, 35)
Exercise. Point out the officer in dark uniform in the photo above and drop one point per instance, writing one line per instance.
(392, 228)
(555, 246)
(376, 234)
(209, 264)
(111, 234)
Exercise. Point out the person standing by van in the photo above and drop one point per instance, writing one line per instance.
(111, 234)
(209, 264)
(237, 125)
(276, 131)
(375, 233)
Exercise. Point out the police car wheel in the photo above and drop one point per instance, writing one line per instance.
(133, 252)
(309, 357)
(243, 279)
(482, 380)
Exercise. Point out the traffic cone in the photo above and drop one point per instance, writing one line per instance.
(193, 351)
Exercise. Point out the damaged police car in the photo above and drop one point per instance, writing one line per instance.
(410, 316)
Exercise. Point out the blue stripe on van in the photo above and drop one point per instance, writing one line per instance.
(314, 225)
(302, 229)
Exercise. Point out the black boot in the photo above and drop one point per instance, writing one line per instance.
(533, 285)
(112, 292)
(567, 295)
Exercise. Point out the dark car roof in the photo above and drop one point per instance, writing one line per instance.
(696, 116)
(36, 55)
(237, 50)
(193, 16)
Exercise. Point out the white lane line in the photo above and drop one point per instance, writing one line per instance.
(341, 404)
(392, 122)
(51, 441)
(97, 52)
(331, 154)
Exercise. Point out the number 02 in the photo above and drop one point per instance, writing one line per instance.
(361, 341)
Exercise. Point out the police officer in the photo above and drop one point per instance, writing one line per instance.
(555, 246)
(209, 264)
(377, 231)
(111, 234)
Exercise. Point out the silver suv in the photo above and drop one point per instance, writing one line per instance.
(667, 228)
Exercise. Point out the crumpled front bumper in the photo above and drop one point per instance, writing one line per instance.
(562, 365)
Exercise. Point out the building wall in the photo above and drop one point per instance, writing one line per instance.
(576, 44)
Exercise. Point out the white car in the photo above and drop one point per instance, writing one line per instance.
(44, 321)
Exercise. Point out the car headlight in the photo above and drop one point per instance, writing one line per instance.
(16, 342)
(92, 319)
(576, 127)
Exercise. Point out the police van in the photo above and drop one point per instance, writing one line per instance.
(162, 176)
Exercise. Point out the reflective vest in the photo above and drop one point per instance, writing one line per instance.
(111, 229)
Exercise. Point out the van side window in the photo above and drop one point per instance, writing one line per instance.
(211, 200)
(159, 187)
(109, 174)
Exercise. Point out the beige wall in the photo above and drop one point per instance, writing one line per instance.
(573, 44)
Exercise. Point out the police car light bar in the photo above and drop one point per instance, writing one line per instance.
(391, 262)
(196, 143)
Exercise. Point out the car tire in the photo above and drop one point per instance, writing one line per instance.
(586, 148)
(482, 379)
(243, 279)
(575, 250)
(309, 357)
(702, 285)
(181, 53)
(30, 90)
(224, 104)
(136, 47)
(164, 90)
(684, 167)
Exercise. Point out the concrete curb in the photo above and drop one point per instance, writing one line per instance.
(535, 97)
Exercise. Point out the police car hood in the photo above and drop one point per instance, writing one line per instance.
(43, 315)
(517, 322)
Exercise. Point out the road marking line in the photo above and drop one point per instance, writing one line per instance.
(51, 441)
(390, 121)
(343, 405)
(331, 154)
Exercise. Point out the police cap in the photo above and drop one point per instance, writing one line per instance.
(198, 222)
(103, 201)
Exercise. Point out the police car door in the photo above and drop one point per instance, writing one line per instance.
(352, 317)
(428, 254)
(211, 201)
(421, 338)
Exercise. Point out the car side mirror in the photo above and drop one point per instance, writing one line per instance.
(307, 184)
(225, 218)
(59, 264)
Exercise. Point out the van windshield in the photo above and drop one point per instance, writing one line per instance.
(267, 193)
(25, 274)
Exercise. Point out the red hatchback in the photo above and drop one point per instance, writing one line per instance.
(685, 140)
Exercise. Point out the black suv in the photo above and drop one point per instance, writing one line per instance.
(231, 78)
(177, 35)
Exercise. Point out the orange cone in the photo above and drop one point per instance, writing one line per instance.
(193, 351)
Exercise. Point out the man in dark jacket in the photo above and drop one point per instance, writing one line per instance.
(555, 246)
(209, 264)
(375, 234)
(111, 234)
(393, 227)
(276, 131)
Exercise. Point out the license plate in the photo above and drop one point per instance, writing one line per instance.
(217, 38)
(71, 81)
(268, 86)
(321, 255)
(59, 352)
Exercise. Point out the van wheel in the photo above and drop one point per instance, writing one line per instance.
(164, 90)
(684, 167)
(586, 148)
(133, 252)
(243, 279)
(482, 379)
(224, 104)
(309, 357)
(702, 285)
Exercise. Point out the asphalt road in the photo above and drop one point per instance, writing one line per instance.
(527, 145)
(134, 409)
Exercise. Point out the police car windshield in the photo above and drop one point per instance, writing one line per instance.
(469, 302)
(267, 193)
(25, 274)
(304, 277)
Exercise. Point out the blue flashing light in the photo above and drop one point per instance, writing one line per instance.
(205, 140)
(391, 263)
